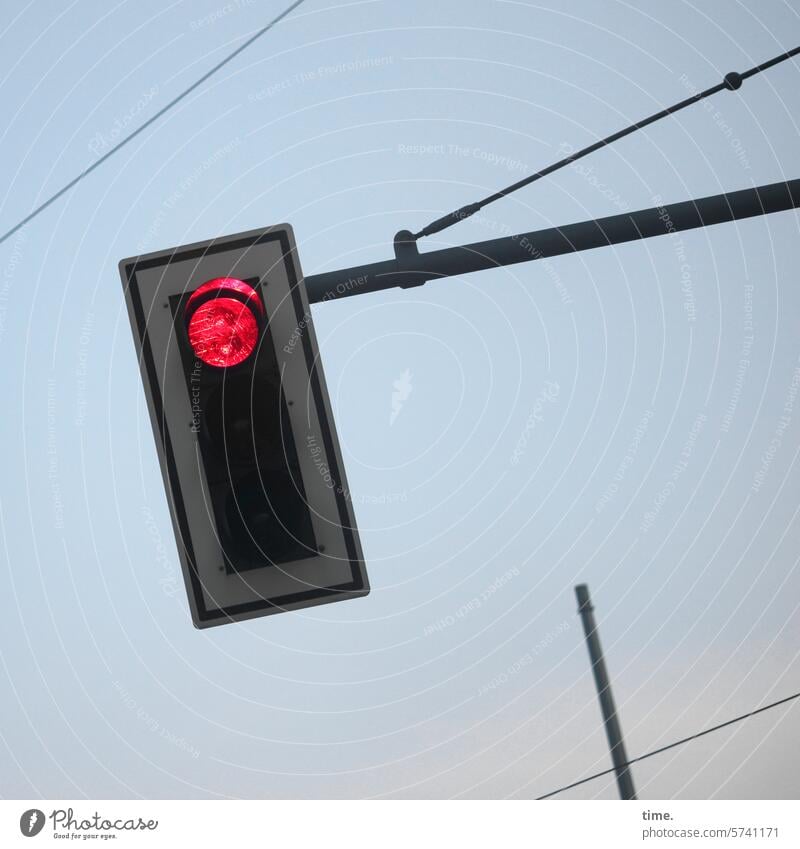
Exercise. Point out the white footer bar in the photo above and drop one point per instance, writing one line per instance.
(401, 824)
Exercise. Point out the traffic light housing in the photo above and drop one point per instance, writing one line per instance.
(243, 426)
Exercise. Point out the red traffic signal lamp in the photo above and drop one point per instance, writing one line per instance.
(222, 321)
(243, 427)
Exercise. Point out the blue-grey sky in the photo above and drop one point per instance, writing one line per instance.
(627, 417)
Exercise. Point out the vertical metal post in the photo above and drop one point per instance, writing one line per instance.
(613, 731)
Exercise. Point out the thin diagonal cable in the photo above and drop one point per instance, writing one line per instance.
(732, 81)
(670, 746)
(177, 99)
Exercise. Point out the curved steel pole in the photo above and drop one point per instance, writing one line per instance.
(411, 268)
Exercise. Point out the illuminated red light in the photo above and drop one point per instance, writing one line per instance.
(223, 330)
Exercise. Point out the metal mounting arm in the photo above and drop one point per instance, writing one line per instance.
(411, 268)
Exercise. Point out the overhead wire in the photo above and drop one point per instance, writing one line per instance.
(149, 122)
(732, 81)
(670, 746)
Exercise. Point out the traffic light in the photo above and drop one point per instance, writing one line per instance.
(243, 426)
